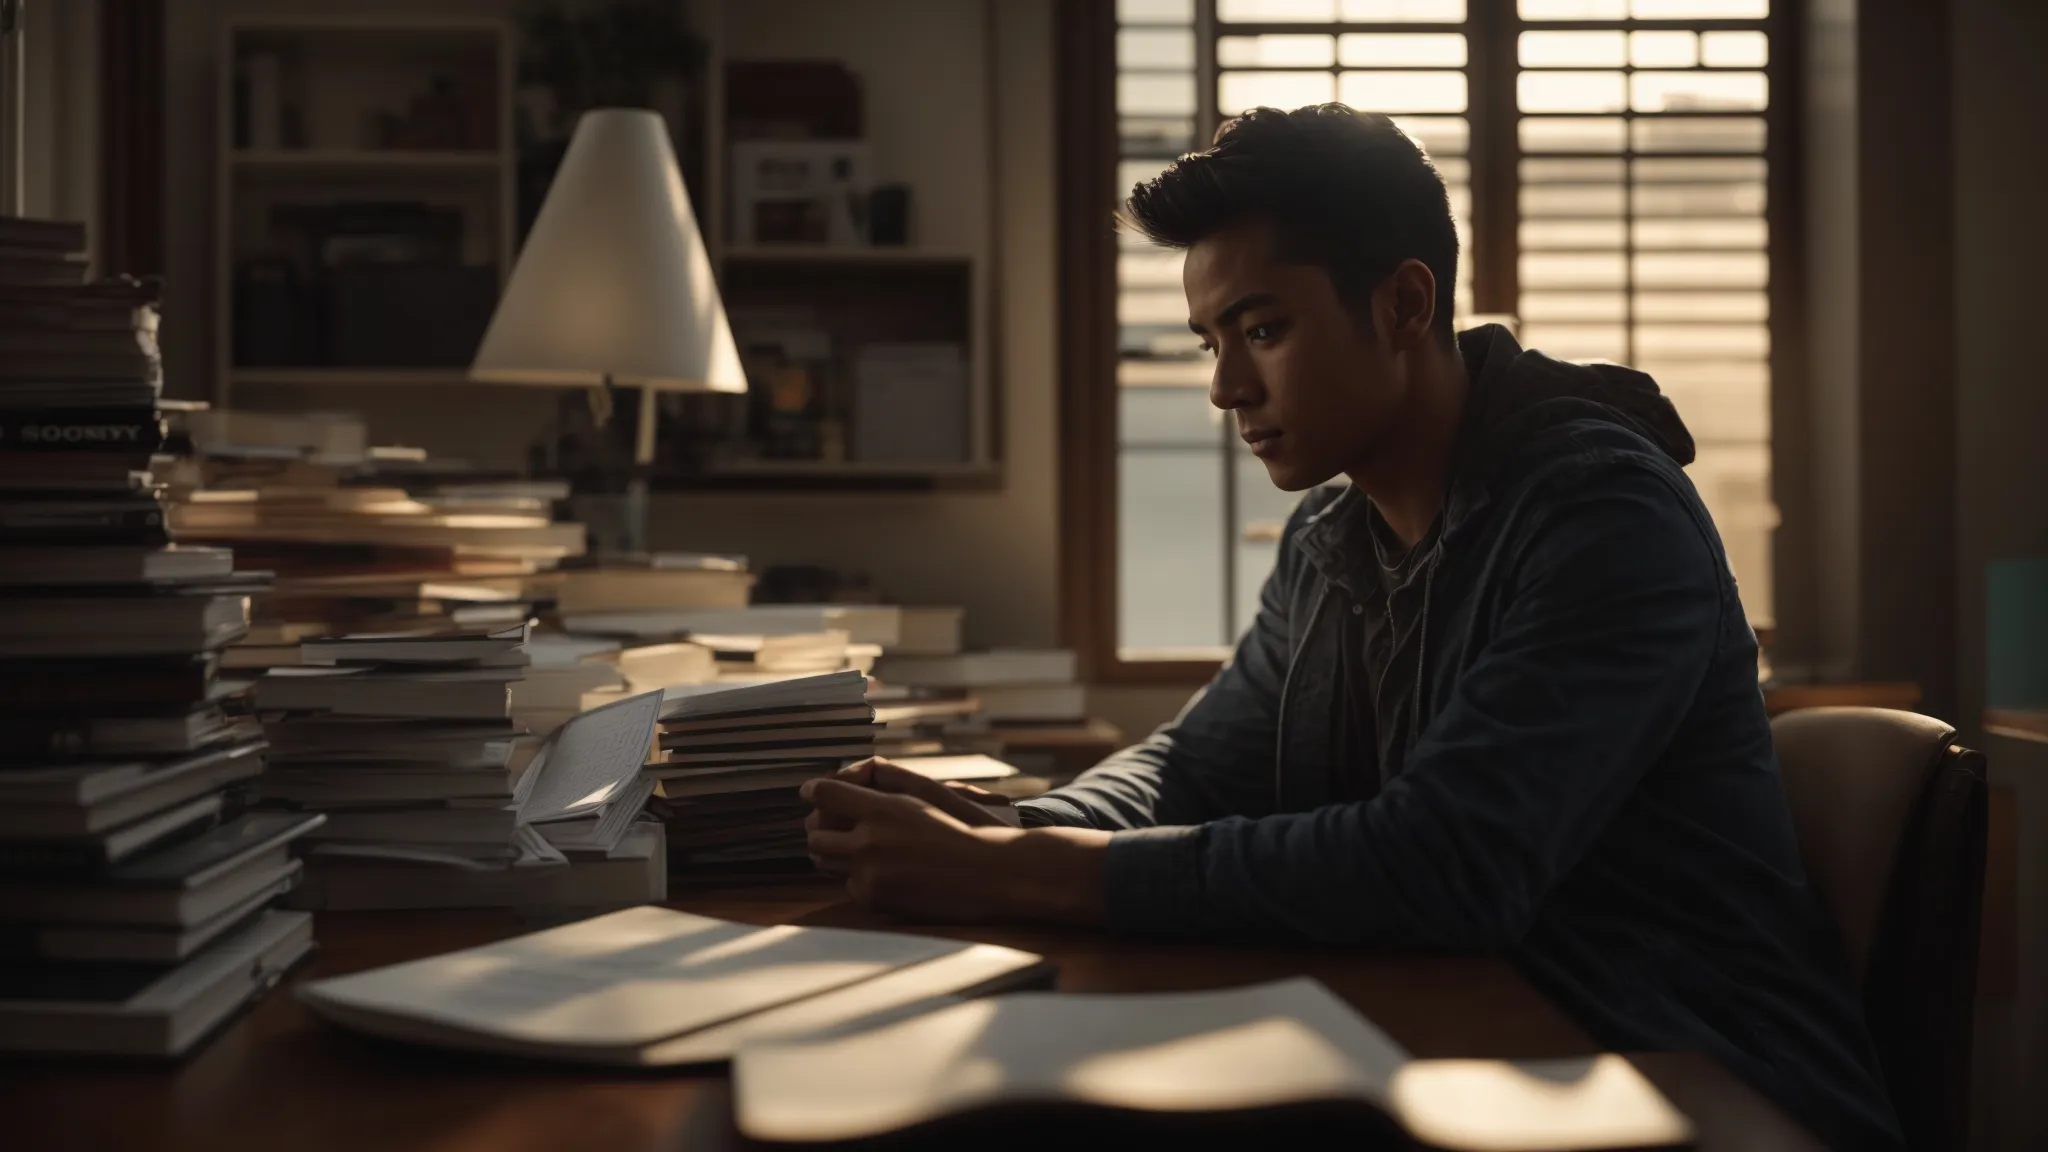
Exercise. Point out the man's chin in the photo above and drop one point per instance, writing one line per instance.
(1290, 477)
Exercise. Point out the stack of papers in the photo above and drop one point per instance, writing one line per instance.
(407, 744)
(732, 758)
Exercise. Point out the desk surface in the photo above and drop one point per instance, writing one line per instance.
(276, 1078)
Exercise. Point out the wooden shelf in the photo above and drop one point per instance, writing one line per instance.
(772, 476)
(843, 468)
(2018, 723)
(288, 377)
(400, 158)
(820, 253)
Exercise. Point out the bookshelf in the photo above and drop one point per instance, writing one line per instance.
(938, 287)
(365, 164)
(349, 67)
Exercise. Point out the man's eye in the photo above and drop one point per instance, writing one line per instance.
(1208, 348)
(1260, 333)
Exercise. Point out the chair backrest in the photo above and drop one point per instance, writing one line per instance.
(1891, 817)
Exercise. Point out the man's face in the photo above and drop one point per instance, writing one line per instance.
(1311, 386)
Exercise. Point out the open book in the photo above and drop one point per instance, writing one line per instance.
(649, 986)
(1269, 1046)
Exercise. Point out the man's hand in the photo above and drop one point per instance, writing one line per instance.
(908, 855)
(963, 802)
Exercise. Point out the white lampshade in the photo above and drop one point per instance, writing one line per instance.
(614, 279)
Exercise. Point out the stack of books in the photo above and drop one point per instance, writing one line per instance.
(895, 630)
(732, 758)
(577, 813)
(656, 581)
(408, 745)
(135, 894)
(918, 722)
(354, 548)
(1011, 686)
(564, 679)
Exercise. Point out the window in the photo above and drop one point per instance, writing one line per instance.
(1607, 164)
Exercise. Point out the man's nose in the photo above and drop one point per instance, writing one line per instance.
(1235, 383)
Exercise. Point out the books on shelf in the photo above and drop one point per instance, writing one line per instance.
(1219, 1053)
(653, 987)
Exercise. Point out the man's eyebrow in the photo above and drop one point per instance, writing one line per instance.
(1238, 307)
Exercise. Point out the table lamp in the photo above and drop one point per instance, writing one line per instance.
(614, 289)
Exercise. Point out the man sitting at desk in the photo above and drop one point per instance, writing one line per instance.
(1500, 695)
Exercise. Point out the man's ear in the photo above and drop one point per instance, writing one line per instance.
(1411, 295)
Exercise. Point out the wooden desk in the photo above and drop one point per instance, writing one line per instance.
(277, 1079)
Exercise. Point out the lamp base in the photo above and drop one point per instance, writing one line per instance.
(617, 520)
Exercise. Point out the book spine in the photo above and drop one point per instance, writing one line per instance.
(110, 693)
(131, 430)
(87, 522)
(51, 859)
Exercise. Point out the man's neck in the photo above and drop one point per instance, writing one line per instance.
(1411, 462)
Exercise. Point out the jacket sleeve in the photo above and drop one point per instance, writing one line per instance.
(1604, 642)
(1218, 757)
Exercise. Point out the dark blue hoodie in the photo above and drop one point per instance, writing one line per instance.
(1582, 776)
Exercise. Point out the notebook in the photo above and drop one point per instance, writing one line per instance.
(1270, 1046)
(650, 986)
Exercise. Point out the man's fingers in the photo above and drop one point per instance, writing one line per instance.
(975, 793)
(888, 776)
(818, 819)
(837, 800)
(949, 798)
(830, 843)
(860, 772)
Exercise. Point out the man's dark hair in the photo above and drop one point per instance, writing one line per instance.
(1346, 191)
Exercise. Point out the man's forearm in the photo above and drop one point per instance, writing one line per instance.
(1051, 874)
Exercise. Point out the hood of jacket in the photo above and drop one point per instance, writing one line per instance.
(1525, 411)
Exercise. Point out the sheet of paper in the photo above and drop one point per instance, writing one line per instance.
(1276, 1043)
(593, 758)
(971, 767)
(626, 979)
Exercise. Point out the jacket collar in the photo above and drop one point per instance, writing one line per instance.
(1338, 541)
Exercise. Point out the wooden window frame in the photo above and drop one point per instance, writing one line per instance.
(1085, 125)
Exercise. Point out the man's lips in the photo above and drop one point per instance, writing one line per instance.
(1263, 441)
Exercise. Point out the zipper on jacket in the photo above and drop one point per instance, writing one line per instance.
(1421, 656)
(1280, 723)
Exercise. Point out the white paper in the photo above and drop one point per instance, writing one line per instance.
(1282, 1042)
(593, 758)
(623, 980)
